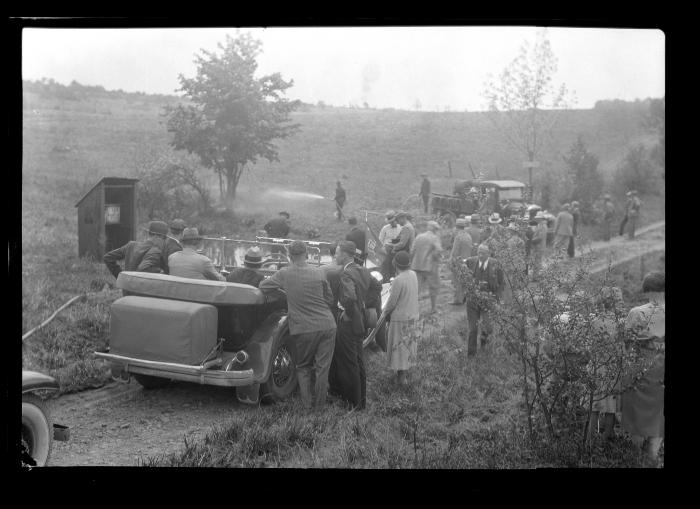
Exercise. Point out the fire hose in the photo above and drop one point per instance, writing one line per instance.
(82, 297)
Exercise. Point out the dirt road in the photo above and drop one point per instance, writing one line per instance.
(122, 424)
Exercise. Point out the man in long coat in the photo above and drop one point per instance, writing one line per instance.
(488, 277)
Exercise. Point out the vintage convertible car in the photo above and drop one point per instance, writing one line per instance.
(209, 332)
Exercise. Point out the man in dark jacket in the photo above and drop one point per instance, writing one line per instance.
(425, 191)
(358, 235)
(247, 274)
(355, 290)
(172, 242)
(140, 256)
(279, 226)
(488, 277)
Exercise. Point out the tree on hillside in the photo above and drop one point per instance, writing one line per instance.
(233, 117)
(518, 98)
(655, 121)
(587, 180)
(637, 171)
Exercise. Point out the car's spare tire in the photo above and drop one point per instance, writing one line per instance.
(151, 382)
(37, 430)
(283, 373)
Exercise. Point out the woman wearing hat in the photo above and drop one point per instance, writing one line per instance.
(643, 402)
(189, 263)
(248, 275)
(402, 306)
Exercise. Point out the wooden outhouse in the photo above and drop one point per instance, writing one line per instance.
(107, 216)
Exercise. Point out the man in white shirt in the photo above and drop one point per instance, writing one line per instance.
(387, 234)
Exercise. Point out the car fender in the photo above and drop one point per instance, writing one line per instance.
(33, 381)
(263, 344)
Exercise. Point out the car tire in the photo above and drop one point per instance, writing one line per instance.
(283, 374)
(37, 429)
(151, 382)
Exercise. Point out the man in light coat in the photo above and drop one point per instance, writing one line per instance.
(406, 235)
(563, 230)
(475, 232)
(189, 263)
(425, 260)
(461, 250)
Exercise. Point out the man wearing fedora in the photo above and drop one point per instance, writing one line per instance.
(248, 275)
(488, 277)
(608, 216)
(461, 250)
(475, 232)
(425, 191)
(425, 262)
(387, 234)
(189, 263)
(140, 256)
(172, 241)
(494, 236)
(311, 323)
(563, 229)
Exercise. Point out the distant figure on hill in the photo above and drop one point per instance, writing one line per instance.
(339, 201)
(140, 256)
(608, 216)
(633, 206)
(576, 213)
(278, 227)
(563, 229)
(189, 263)
(425, 191)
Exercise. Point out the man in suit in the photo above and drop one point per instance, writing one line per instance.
(488, 277)
(248, 275)
(358, 235)
(461, 250)
(172, 241)
(189, 263)
(563, 230)
(354, 290)
(475, 232)
(140, 256)
(425, 262)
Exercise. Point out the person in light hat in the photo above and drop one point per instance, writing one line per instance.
(189, 263)
(461, 250)
(140, 256)
(248, 274)
(387, 234)
(402, 334)
(495, 218)
(425, 261)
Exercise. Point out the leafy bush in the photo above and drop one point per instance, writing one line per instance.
(638, 171)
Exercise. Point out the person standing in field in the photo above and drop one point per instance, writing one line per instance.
(538, 245)
(461, 250)
(633, 208)
(311, 323)
(387, 235)
(488, 277)
(356, 291)
(576, 214)
(406, 235)
(189, 263)
(425, 191)
(563, 230)
(339, 199)
(625, 219)
(608, 216)
(403, 309)
(140, 256)
(643, 402)
(475, 232)
(425, 262)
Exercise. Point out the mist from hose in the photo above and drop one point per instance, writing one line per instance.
(293, 195)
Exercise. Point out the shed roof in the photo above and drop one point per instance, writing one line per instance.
(108, 181)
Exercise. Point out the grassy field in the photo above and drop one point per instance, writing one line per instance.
(378, 155)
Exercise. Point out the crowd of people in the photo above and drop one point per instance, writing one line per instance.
(331, 308)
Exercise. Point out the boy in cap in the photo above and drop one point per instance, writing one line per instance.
(425, 261)
(189, 263)
(311, 324)
(140, 256)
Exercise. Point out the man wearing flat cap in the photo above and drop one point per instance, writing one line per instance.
(140, 256)
(311, 323)
(189, 263)
(172, 241)
(425, 261)
(248, 274)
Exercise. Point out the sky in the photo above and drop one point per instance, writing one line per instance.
(386, 67)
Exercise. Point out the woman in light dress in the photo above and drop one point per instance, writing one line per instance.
(402, 306)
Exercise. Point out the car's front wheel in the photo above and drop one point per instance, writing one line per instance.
(283, 376)
(37, 430)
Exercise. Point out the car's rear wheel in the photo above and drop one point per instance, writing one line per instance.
(283, 376)
(37, 430)
(151, 382)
